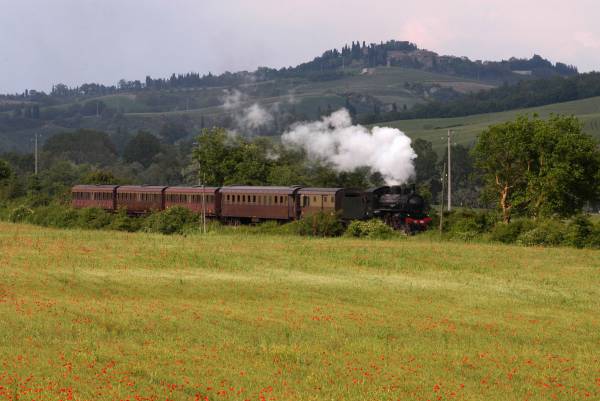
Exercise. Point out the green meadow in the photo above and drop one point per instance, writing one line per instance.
(466, 129)
(100, 315)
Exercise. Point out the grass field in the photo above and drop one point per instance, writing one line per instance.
(467, 128)
(92, 315)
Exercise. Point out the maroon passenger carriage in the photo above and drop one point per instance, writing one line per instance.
(197, 199)
(248, 203)
(100, 196)
(140, 199)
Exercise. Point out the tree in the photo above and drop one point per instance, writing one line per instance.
(172, 131)
(81, 146)
(426, 161)
(142, 148)
(100, 177)
(465, 180)
(565, 169)
(215, 155)
(537, 167)
(5, 170)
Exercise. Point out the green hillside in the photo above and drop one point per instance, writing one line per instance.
(467, 128)
(300, 98)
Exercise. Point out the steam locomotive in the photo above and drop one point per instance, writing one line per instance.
(400, 207)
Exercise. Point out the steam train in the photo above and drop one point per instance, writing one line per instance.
(400, 207)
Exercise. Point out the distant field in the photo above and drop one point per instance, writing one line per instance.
(467, 128)
(104, 315)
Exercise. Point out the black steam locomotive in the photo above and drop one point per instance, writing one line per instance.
(401, 207)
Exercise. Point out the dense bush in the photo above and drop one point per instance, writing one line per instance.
(546, 232)
(20, 213)
(94, 218)
(56, 216)
(175, 220)
(123, 222)
(467, 224)
(509, 233)
(320, 225)
(593, 240)
(578, 232)
(374, 228)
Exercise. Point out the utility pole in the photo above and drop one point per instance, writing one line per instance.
(36, 154)
(442, 199)
(449, 173)
(203, 204)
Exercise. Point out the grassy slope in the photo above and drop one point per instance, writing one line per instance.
(102, 315)
(467, 128)
(384, 83)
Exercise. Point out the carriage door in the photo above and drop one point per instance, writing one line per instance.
(292, 207)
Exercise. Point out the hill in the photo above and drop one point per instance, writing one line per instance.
(105, 315)
(288, 100)
(467, 128)
(369, 79)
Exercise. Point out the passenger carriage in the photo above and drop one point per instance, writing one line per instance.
(348, 203)
(247, 203)
(101, 196)
(142, 199)
(196, 199)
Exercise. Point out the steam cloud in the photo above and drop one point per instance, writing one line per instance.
(247, 119)
(334, 139)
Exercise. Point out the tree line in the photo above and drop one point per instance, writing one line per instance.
(524, 94)
(527, 167)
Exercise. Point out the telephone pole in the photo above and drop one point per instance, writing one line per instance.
(442, 200)
(449, 172)
(36, 154)
(203, 203)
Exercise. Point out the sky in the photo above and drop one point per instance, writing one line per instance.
(45, 42)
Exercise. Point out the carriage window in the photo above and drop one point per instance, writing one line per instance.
(281, 199)
(332, 200)
(227, 198)
(305, 201)
(254, 198)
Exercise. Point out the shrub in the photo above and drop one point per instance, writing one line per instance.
(467, 224)
(55, 215)
(578, 232)
(94, 218)
(20, 213)
(374, 228)
(508, 233)
(175, 220)
(320, 225)
(548, 232)
(593, 240)
(122, 222)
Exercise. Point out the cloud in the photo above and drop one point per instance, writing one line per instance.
(335, 140)
(587, 40)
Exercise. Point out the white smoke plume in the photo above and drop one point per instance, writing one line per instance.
(254, 117)
(334, 139)
(248, 118)
(233, 99)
